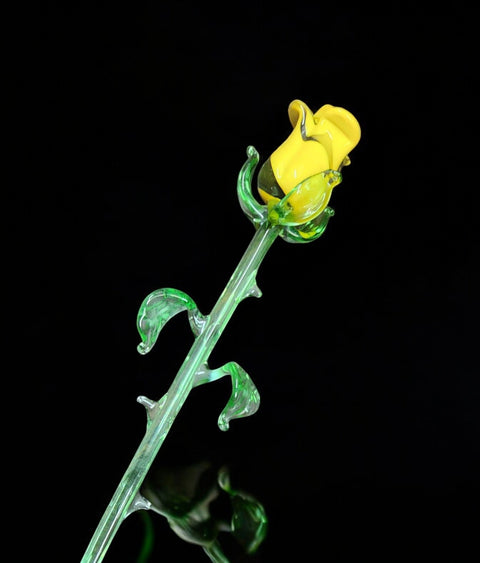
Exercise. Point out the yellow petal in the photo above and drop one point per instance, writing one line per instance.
(318, 142)
(297, 158)
(337, 130)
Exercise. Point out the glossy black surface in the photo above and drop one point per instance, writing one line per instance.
(132, 126)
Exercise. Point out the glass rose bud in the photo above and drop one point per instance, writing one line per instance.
(297, 180)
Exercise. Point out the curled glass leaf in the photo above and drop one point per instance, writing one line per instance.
(245, 398)
(158, 308)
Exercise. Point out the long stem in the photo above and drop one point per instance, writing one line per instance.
(241, 284)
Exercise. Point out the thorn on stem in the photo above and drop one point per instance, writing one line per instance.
(146, 402)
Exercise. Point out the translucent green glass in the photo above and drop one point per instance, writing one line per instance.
(298, 226)
(154, 313)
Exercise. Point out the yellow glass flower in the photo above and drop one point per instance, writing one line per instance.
(305, 168)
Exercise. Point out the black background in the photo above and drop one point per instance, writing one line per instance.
(132, 124)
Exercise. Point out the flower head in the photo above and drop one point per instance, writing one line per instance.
(302, 172)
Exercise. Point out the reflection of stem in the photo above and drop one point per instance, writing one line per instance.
(215, 553)
(148, 539)
(241, 285)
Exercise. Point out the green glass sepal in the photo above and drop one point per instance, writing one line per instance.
(255, 211)
(296, 226)
(310, 231)
(313, 194)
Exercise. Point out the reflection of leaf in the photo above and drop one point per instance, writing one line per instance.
(192, 498)
(249, 520)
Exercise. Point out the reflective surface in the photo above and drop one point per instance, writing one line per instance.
(202, 508)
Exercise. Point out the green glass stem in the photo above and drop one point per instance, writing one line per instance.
(162, 414)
